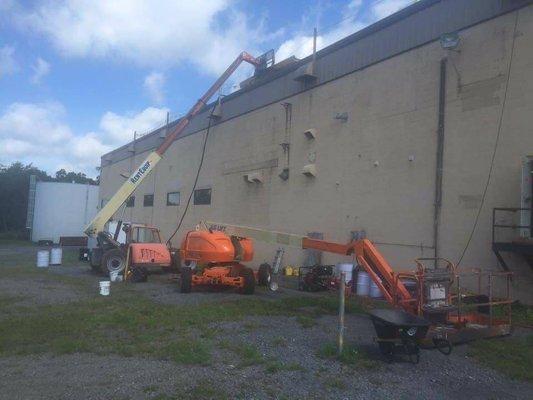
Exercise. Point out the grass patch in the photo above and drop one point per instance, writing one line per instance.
(248, 354)
(188, 351)
(351, 355)
(305, 321)
(510, 356)
(277, 366)
(335, 383)
(128, 323)
(522, 314)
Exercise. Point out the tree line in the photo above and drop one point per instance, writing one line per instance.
(14, 189)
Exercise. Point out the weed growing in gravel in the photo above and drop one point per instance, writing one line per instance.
(150, 389)
(280, 341)
(511, 356)
(335, 383)
(277, 366)
(350, 355)
(247, 353)
(306, 321)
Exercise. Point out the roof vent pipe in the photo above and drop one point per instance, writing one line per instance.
(306, 73)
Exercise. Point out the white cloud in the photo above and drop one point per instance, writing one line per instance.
(301, 44)
(382, 9)
(8, 65)
(154, 84)
(41, 68)
(119, 128)
(39, 134)
(156, 33)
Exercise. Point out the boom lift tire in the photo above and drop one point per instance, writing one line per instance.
(139, 274)
(95, 260)
(264, 274)
(249, 281)
(113, 260)
(186, 280)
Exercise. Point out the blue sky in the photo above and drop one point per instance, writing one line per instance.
(78, 77)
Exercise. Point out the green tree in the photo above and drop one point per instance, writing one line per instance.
(14, 187)
(74, 177)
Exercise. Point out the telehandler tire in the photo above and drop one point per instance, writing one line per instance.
(186, 280)
(113, 260)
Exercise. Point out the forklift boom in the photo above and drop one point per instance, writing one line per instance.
(138, 175)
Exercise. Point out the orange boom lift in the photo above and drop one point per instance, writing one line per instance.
(432, 291)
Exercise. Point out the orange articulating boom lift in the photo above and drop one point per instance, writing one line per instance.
(143, 248)
(431, 291)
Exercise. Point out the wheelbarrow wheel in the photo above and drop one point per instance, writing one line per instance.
(387, 349)
(443, 345)
(413, 351)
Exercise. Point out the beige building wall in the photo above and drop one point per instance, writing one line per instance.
(375, 171)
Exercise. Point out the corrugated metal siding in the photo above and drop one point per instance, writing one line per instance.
(414, 26)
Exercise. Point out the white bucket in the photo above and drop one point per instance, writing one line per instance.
(347, 269)
(104, 288)
(43, 258)
(115, 277)
(56, 254)
(363, 283)
(375, 291)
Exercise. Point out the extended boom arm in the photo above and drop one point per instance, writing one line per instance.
(366, 254)
(125, 191)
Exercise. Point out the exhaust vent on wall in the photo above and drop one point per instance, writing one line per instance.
(254, 177)
(309, 170)
(310, 134)
(306, 73)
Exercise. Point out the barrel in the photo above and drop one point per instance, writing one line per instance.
(411, 286)
(363, 283)
(56, 254)
(375, 291)
(43, 258)
(347, 268)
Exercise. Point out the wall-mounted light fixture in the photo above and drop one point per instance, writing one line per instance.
(450, 41)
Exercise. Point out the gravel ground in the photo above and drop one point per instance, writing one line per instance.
(280, 340)
(87, 376)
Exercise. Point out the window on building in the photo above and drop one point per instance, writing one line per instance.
(148, 200)
(173, 198)
(103, 202)
(202, 196)
(130, 202)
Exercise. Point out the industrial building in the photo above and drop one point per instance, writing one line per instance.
(60, 210)
(409, 132)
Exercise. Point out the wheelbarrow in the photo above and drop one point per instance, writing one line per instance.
(398, 330)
